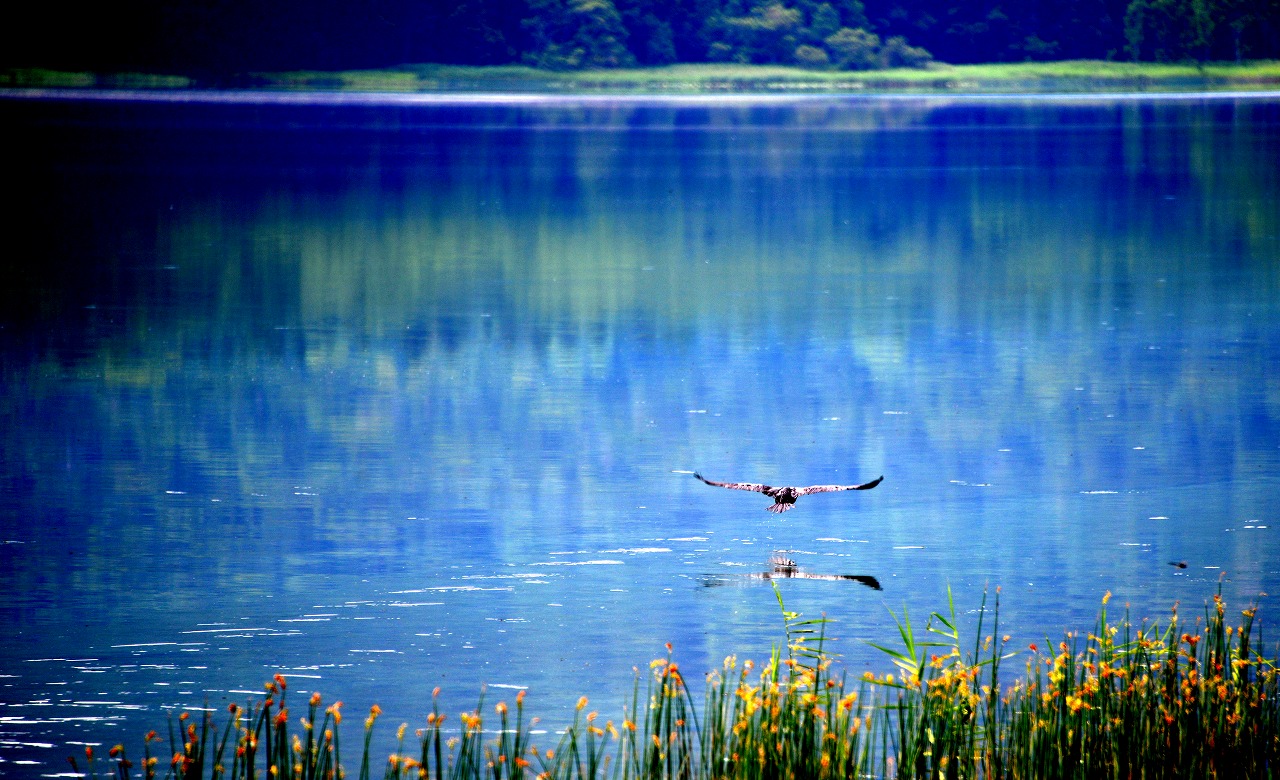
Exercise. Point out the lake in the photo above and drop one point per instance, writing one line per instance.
(385, 396)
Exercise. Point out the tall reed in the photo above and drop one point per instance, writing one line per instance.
(1125, 700)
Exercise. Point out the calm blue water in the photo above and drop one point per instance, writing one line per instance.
(390, 397)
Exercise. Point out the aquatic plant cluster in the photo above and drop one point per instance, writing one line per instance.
(1171, 699)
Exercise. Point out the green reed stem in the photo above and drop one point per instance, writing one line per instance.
(1124, 700)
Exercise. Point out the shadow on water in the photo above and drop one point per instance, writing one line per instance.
(783, 568)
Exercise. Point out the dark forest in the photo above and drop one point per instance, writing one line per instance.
(227, 37)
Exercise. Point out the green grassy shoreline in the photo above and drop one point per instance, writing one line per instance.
(1074, 76)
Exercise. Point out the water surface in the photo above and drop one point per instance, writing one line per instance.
(390, 397)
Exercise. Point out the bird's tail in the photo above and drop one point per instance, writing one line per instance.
(779, 507)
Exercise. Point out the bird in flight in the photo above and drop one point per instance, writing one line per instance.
(785, 497)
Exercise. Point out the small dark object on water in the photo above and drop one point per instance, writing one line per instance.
(785, 497)
(1178, 564)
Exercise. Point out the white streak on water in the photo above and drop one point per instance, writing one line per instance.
(602, 562)
(253, 97)
(446, 588)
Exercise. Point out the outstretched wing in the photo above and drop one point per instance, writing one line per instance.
(736, 485)
(804, 491)
(865, 579)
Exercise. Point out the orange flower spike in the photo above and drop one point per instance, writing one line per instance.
(279, 678)
(582, 702)
(501, 708)
(520, 698)
(435, 692)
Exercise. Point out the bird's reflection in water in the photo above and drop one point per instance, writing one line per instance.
(782, 567)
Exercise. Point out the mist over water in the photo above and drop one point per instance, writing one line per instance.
(389, 397)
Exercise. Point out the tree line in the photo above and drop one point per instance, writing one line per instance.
(213, 37)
